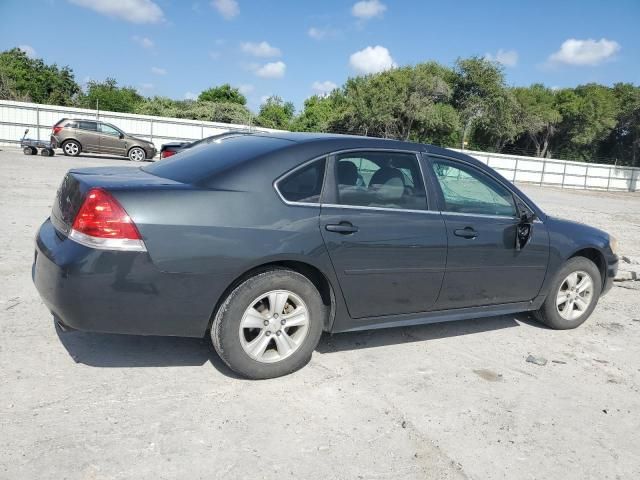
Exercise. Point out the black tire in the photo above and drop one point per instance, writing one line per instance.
(29, 151)
(45, 152)
(225, 330)
(69, 150)
(548, 313)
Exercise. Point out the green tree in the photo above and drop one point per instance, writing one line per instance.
(624, 140)
(25, 78)
(223, 93)
(316, 116)
(488, 110)
(589, 114)
(108, 96)
(539, 116)
(275, 113)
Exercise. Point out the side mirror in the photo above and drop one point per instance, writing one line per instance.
(121, 136)
(524, 229)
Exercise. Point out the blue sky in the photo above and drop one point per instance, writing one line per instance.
(294, 48)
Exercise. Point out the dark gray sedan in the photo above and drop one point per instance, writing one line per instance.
(266, 241)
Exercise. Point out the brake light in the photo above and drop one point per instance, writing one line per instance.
(57, 129)
(102, 223)
(167, 153)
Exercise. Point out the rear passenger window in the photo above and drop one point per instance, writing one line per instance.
(88, 126)
(71, 125)
(380, 179)
(304, 185)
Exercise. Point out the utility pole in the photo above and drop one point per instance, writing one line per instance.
(97, 109)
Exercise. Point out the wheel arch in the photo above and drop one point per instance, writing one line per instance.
(596, 256)
(313, 273)
(137, 146)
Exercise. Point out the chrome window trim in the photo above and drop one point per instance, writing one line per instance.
(501, 182)
(383, 209)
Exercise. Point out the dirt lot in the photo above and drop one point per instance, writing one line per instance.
(456, 400)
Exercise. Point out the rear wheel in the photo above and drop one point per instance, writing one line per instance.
(136, 154)
(573, 295)
(71, 148)
(269, 325)
(29, 151)
(46, 152)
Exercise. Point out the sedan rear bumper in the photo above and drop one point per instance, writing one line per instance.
(116, 292)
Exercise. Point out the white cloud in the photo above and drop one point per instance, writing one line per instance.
(320, 33)
(190, 96)
(227, 8)
(134, 11)
(585, 52)
(371, 60)
(271, 70)
(368, 9)
(28, 49)
(323, 88)
(508, 58)
(158, 71)
(246, 88)
(262, 49)
(144, 42)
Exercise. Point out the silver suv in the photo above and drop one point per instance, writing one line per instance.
(92, 136)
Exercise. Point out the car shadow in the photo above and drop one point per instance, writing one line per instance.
(121, 351)
(339, 342)
(107, 350)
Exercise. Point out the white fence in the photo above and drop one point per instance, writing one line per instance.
(561, 173)
(16, 116)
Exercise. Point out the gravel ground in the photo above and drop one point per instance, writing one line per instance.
(447, 401)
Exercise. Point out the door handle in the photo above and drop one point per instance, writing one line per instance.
(345, 228)
(466, 232)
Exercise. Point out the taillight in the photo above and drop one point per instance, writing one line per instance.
(102, 223)
(57, 129)
(167, 153)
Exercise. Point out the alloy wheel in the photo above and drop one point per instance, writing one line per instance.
(136, 155)
(274, 326)
(71, 148)
(574, 295)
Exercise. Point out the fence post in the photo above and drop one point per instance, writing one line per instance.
(38, 122)
(564, 174)
(586, 175)
(201, 130)
(515, 170)
(544, 166)
(609, 179)
(152, 130)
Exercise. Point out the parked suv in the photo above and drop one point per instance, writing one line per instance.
(81, 135)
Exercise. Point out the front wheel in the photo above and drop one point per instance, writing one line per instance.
(270, 324)
(573, 295)
(136, 154)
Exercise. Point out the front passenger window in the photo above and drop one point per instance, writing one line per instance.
(467, 190)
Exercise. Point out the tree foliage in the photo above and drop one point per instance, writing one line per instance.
(108, 96)
(29, 79)
(275, 113)
(224, 93)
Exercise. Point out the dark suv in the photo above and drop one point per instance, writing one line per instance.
(92, 136)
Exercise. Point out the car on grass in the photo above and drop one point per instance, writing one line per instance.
(171, 148)
(264, 241)
(75, 136)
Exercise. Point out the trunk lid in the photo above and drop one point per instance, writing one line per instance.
(77, 182)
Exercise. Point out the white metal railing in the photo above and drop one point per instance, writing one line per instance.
(16, 116)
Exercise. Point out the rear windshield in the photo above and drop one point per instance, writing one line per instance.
(203, 161)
